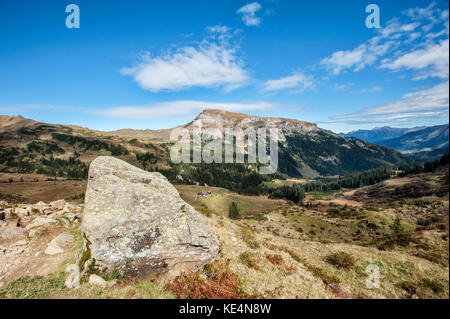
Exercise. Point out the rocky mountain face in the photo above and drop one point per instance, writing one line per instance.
(224, 119)
(305, 149)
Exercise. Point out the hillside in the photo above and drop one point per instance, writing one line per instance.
(39, 151)
(275, 249)
(307, 150)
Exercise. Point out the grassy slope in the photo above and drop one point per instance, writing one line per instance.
(287, 253)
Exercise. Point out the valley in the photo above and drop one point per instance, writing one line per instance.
(336, 206)
(277, 249)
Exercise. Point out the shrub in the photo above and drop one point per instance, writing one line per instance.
(433, 284)
(250, 260)
(233, 211)
(220, 283)
(249, 239)
(275, 259)
(341, 260)
(259, 217)
(204, 210)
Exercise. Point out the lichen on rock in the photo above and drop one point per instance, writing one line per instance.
(135, 221)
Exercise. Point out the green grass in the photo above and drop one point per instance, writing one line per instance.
(37, 287)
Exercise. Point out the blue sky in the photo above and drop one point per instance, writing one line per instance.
(157, 64)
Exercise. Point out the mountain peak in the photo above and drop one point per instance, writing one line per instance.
(241, 116)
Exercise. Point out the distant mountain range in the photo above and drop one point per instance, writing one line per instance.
(407, 140)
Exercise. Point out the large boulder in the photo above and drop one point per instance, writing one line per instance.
(135, 222)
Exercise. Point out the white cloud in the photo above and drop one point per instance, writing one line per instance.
(248, 13)
(434, 100)
(397, 118)
(433, 60)
(357, 59)
(297, 81)
(373, 89)
(179, 108)
(400, 34)
(213, 63)
(342, 87)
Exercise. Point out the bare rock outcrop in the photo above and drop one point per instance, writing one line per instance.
(135, 222)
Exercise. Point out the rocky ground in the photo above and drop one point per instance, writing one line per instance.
(36, 239)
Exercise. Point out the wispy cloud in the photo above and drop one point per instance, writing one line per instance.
(432, 102)
(180, 108)
(412, 35)
(298, 81)
(342, 86)
(248, 13)
(397, 118)
(215, 62)
(373, 89)
(357, 59)
(432, 61)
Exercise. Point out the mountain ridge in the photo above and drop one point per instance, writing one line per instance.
(305, 150)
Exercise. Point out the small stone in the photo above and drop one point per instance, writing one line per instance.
(22, 242)
(71, 217)
(57, 214)
(70, 268)
(39, 221)
(8, 213)
(19, 251)
(21, 212)
(58, 204)
(57, 245)
(73, 280)
(97, 280)
(40, 205)
(53, 249)
(11, 232)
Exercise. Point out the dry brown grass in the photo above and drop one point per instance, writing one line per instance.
(220, 283)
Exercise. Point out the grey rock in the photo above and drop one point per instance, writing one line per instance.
(71, 217)
(11, 232)
(21, 212)
(73, 279)
(39, 222)
(57, 244)
(136, 222)
(22, 242)
(58, 204)
(8, 213)
(97, 280)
